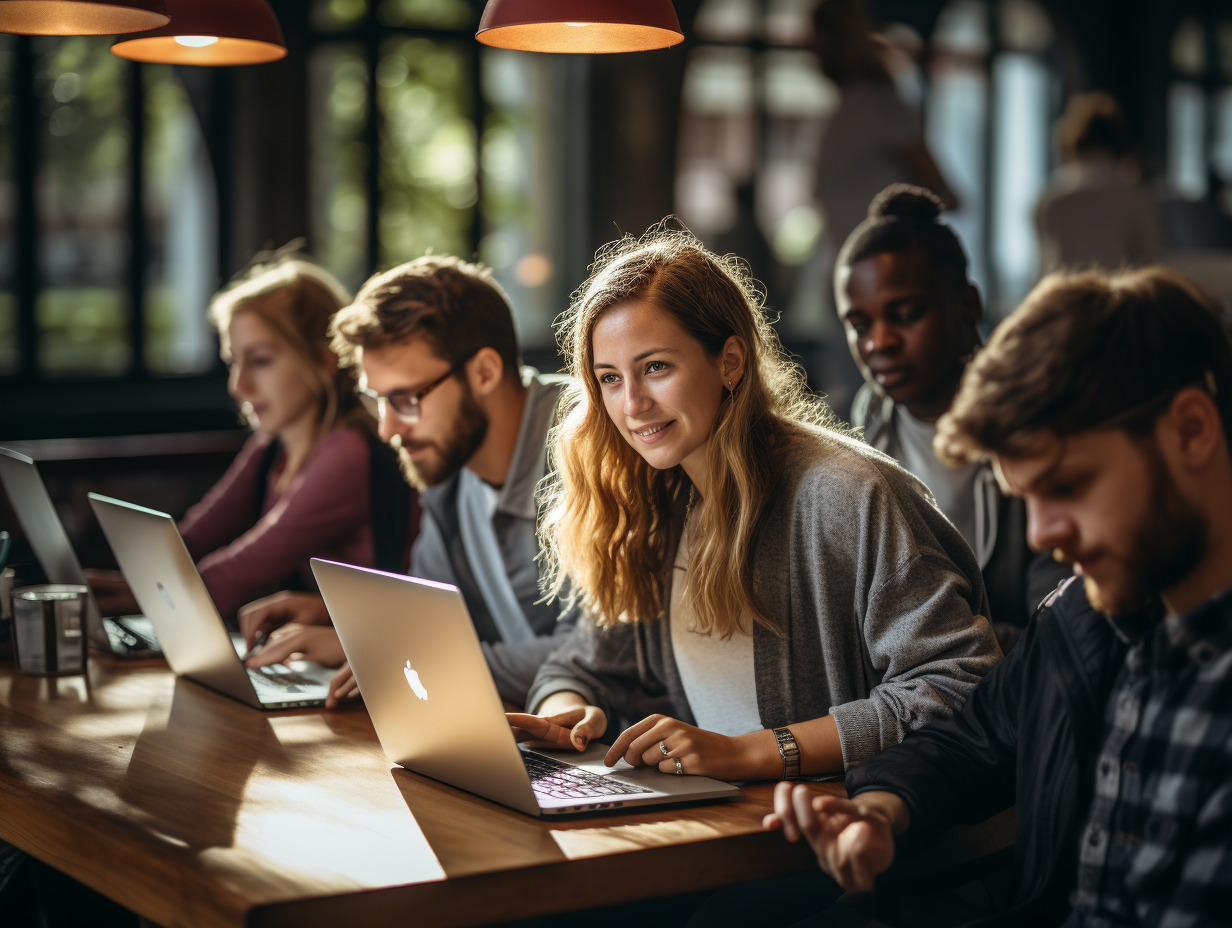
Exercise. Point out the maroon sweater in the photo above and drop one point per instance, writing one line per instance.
(323, 513)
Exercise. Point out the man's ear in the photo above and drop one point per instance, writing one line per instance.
(485, 370)
(731, 361)
(1195, 427)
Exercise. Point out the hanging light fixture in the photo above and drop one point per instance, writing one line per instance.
(580, 26)
(209, 32)
(80, 17)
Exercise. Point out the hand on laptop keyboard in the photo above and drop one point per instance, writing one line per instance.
(317, 643)
(527, 727)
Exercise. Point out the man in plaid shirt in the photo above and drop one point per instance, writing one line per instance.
(1105, 401)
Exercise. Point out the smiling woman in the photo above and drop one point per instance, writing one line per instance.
(786, 596)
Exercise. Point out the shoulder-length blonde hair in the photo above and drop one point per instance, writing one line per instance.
(297, 299)
(607, 528)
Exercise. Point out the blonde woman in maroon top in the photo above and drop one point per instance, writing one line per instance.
(300, 486)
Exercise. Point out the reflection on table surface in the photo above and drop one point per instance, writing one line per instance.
(173, 799)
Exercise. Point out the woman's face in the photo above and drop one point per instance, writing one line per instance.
(909, 331)
(267, 378)
(659, 386)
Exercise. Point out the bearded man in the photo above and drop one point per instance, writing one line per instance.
(437, 352)
(1105, 402)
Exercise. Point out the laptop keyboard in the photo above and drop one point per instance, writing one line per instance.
(280, 676)
(558, 780)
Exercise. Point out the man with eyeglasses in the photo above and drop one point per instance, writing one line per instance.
(439, 364)
(1105, 401)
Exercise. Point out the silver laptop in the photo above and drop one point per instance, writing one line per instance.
(421, 671)
(127, 636)
(195, 641)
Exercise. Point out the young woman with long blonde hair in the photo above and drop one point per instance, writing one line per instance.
(789, 599)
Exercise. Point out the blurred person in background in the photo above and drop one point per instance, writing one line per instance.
(1095, 212)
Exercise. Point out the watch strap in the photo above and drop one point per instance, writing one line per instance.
(789, 751)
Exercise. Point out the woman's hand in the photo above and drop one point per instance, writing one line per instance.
(699, 751)
(261, 617)
(304, 642)
(577, 726)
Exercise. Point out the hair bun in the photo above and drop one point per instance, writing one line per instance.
(905, 201)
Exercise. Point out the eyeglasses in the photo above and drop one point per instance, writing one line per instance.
(404, 403)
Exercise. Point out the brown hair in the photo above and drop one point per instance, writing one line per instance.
(453, 305)
(296, 299)
(1088, 351)
(606, 532)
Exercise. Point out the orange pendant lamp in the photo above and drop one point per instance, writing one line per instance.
(209, 32)
(585, 27)
(80, 17)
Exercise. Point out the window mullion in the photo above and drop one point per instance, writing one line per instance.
(137, 367)
(25, 169)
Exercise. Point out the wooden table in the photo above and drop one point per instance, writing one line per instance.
(192, 809)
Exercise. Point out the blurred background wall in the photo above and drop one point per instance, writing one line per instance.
(129, 193)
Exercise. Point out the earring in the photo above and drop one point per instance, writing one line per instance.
(729, 386)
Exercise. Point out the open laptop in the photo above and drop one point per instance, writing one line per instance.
(422, 673)
(126, 636)
(195, 641)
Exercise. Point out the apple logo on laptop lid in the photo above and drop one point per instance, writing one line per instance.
(412, 677)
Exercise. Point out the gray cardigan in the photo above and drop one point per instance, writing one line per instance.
(880, 597)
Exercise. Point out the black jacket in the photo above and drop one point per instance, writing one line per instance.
(1028, 736)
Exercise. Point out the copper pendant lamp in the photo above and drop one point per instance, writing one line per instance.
(580, 26)
(209, 32)
(80, 17)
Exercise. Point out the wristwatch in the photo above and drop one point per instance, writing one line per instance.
(790, 752)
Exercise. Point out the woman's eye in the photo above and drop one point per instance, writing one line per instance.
(607, 378)
(653, 367)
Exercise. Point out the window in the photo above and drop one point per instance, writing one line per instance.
(425, 140)
(117, 186)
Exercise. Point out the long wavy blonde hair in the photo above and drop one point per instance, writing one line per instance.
(608, 522)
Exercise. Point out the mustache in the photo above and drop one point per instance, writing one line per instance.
(398, 444)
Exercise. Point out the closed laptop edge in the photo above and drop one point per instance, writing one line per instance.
(420, 668)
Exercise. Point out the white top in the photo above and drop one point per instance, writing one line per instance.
(953, 487)
(717, 674)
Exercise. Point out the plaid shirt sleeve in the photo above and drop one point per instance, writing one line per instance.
(1157, 846)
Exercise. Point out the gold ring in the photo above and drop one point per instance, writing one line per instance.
(679, 767)
(663, 748)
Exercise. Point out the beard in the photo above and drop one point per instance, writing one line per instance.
(1168, 543)
(470, 427)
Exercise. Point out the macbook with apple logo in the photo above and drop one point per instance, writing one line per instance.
(422, 674)
(164, 581)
